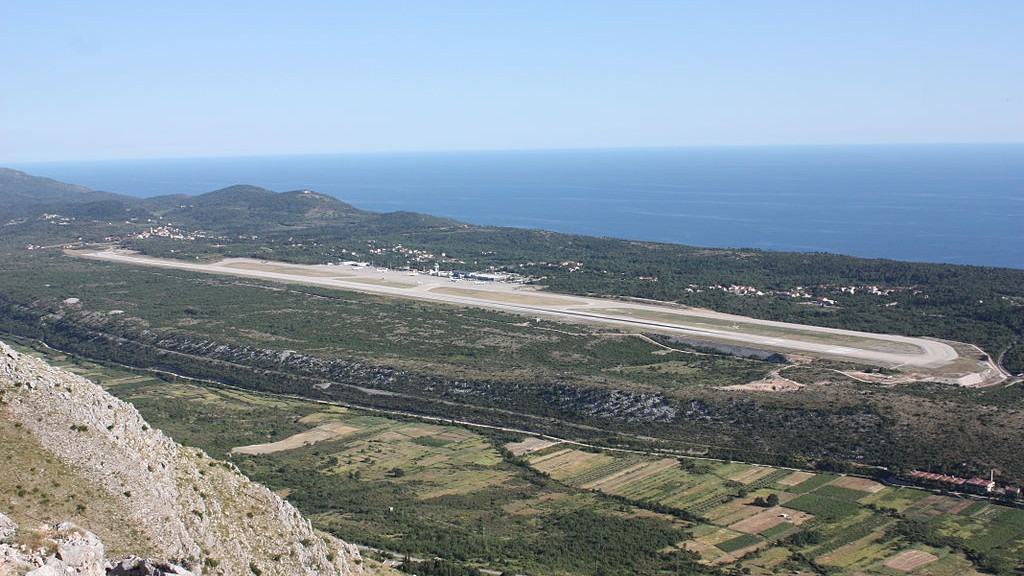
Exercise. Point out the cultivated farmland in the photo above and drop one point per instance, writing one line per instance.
(846, 523)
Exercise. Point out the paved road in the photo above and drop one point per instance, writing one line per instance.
(881, 349)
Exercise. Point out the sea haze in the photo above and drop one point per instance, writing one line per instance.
(933, 203)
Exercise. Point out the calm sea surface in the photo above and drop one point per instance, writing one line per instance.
(933, 203)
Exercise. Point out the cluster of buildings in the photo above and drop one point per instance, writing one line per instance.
(875, 290)
(57, 219)
(958, 484)
(453, 274)
(810, 293)
(570, 265)
(483, 276)
(166, 231)
(410, 254)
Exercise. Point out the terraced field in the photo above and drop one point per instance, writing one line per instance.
(845, 523)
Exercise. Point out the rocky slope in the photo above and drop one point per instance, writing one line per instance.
(66, 549)
(197, 512)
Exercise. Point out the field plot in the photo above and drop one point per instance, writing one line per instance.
(894, 498)
(910, 560)
(796, 478)
(768, 563)
(750, 475)
(770, 518)
(566, 464)
(849, 536)
(812, 483)
(860, 484)
(318, 434)
(731, 512)
(931, 507)
(527, 446)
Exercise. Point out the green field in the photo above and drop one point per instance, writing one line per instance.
(839, 531)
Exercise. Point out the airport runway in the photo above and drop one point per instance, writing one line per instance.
(672, 320)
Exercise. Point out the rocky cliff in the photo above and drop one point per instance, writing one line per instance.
(194, 511)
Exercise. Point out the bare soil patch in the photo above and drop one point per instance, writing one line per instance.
(796, 478)
(751, 474)
(318, 434)
(766, 385)
(861, 484)
(527, 446)
(550, 456)
(770, 518)
(910, 560)
(738, 513)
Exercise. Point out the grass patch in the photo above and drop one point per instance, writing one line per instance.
(738, 543)
(777, 530)
(812, 483)
(840, 493)
(826, 509)
(431, 441)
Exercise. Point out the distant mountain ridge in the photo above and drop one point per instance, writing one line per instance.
(233, 209)
(17, 185)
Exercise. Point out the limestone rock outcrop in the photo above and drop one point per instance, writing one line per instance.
(67, 550)
(200, 513)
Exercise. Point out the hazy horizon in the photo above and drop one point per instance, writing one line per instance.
(31, 163)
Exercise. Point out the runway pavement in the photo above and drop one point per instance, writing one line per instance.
(879, 349)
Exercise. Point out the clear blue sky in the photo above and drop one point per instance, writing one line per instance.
(136, 79)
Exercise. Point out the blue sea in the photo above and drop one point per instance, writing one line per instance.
(932, 203)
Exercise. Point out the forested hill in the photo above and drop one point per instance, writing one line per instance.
(981, 305)
(239, 209)
(25, 195)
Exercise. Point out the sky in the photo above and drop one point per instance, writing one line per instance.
(128, 79)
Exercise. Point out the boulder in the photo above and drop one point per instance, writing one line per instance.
(53, 567)
(135, 566)
(80, 549)
(7, 527)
